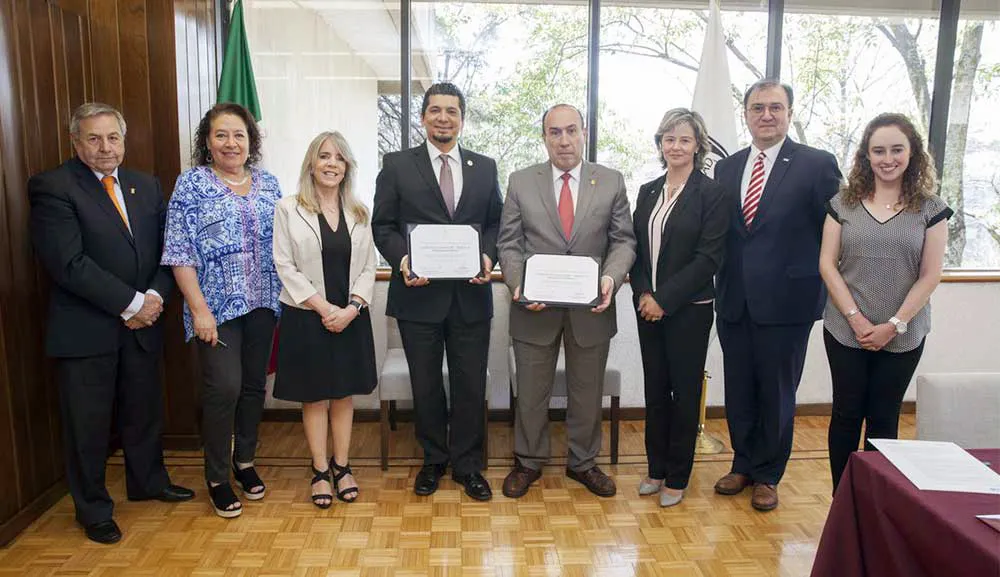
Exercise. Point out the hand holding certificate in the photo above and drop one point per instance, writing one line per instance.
(444, 251)
(562, 280)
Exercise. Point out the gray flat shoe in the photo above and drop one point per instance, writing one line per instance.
(667, 500)
(649, 488)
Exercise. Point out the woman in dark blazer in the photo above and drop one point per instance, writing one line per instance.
(680, 227)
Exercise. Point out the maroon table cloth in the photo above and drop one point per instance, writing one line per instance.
(880, 525)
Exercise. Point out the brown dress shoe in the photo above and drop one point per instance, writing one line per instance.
(732, 484)
(595, 480)
(519, 480)
(765, 497)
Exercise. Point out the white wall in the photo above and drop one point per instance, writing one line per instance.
(966, 332)
(310, 80)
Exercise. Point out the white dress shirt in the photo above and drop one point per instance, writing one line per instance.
(574, 183)
(137, 301)
(454, 157)
(770, 155)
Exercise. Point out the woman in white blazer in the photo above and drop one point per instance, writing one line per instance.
(325, 257)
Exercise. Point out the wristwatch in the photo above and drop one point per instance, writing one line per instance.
(356, 304)
(900, 325)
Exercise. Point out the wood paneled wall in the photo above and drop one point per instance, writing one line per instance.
(156, 61)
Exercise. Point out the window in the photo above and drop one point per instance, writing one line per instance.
(649, 64)
(327, 66)
(512, 61)
(846, 69)
(970, 181)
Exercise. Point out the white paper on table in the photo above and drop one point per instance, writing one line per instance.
(557, 278)
(992, 520)
(939, 466)
(445, 251)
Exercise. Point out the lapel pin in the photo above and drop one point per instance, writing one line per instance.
(469, 162)
(784, 160)
(593, 182)
(131, 190)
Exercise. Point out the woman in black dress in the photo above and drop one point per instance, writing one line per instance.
(325, 257)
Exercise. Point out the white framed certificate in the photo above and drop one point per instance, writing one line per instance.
(562, 280)
(444, 251)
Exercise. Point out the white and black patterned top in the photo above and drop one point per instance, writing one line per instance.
(880, 262)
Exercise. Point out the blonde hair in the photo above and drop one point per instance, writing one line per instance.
(307, 185)
(676, 116)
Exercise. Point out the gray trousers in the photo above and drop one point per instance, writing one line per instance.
(536, 365)
(232, 399)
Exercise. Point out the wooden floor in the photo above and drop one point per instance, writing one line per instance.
(558, 528)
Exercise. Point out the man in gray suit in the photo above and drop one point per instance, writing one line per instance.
(563, 206)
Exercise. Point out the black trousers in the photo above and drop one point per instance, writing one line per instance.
(233, 391)
(763, 366)
(673, 364)
(90, 388)
(868, 387)
(468, 348)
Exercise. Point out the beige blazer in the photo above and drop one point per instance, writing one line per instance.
(299, 260)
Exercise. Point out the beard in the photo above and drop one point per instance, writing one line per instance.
(442, 138)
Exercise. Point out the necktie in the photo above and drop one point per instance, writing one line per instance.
(755, 189)
(447, 185)
(566, 206)
(109, 187)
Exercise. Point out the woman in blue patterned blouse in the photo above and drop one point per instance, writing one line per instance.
(219, 240)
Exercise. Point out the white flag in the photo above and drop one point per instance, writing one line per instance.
(712, 97)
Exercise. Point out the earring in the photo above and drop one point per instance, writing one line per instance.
(210, 159)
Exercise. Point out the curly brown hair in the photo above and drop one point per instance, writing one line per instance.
(919, 179)
(201, 156)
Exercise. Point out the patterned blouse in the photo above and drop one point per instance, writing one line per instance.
(880, 261)
(228, 239)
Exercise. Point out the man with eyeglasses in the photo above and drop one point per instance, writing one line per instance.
(769, 292)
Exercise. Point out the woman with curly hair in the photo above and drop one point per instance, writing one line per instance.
(881, 258)
(220, 223)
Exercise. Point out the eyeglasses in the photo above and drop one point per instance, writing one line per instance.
(758, 109)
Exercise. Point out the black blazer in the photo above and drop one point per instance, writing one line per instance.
(96, 265)
(772, 268)
(407, 192)
(691, 246)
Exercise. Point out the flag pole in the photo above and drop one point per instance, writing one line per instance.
(705, 444)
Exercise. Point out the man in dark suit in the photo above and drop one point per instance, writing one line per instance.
(439, 182)
(769, 289)
(98, 231)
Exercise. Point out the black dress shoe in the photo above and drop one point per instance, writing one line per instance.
(170, 494)
(427, 479)
(475, 485)
(105, 532)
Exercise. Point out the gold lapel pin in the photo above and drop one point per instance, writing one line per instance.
(593, 182)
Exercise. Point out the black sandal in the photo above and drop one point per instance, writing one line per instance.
(317, 477)
(341, 473)
(223, 497)
(248, 479)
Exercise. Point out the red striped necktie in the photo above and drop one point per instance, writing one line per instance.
(754, 190)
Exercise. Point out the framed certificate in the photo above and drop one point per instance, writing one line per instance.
(444, 251)
(562, 280)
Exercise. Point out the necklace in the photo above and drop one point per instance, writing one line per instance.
(246, 177)
(672, 190)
